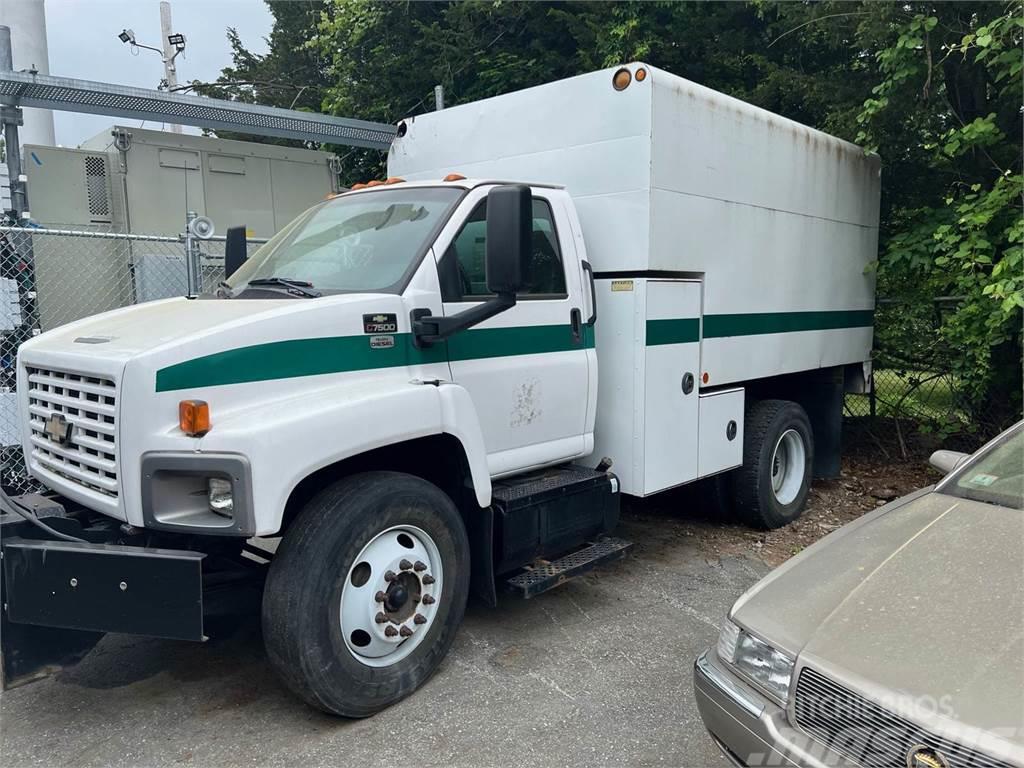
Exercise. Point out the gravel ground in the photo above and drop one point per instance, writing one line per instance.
(597, 672)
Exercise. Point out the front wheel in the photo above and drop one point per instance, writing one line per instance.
(771, 488)
(366, 592)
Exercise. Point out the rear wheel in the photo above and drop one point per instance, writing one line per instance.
(771, 487)
(366, 592)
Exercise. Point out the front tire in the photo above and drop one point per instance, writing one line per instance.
(366, 592)
(771, 488)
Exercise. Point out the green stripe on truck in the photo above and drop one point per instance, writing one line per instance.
(342, 354)
(759, 323)
(676, 331)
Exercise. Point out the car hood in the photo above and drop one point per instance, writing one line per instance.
(922, 599)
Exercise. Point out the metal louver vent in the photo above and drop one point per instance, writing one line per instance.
(96, 190)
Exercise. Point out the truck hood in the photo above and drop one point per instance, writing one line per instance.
(124, 333)
(921, 600)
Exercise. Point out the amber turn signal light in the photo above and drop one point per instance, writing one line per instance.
(194, 417)
(621, 79)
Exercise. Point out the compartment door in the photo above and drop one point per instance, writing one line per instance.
(672, 349)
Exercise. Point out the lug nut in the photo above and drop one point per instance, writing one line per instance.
(419, 619)
(390, 631)
(390, 576)
(380, 618)
(405, 565)
(405, 632)
(428, 579)
(380, 597)
(428, 600)
(420, 566)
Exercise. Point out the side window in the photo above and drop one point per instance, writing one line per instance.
(462, 272)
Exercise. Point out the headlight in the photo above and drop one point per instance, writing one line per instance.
(220, 496)
(756, 660)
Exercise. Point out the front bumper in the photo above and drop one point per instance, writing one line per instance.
(59, 597)
(749, 728)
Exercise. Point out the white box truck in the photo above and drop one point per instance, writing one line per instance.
(441, 383)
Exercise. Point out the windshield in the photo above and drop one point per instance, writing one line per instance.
(364, 242)
(996, 476)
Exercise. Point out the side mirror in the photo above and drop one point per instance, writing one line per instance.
(509, 237)
(947, 461)
(235, 252)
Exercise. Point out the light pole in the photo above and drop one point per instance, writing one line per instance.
(173, 44)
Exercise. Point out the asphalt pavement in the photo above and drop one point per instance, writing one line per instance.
(594, 673)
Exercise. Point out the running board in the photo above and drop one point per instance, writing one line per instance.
(545, 575)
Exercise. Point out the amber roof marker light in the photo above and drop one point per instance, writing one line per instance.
(641, 75)
(621, 79)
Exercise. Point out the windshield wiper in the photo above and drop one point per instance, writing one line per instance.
(224, 290)
(297, 286)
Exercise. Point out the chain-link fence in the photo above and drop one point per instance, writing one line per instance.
(49, 277)
(915, 378)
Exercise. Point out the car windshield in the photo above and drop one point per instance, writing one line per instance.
(996, 476)
(362, 242)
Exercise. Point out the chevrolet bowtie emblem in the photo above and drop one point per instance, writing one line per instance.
(921, 756)
(58, 428)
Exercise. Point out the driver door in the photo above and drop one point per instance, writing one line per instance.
(527, 369)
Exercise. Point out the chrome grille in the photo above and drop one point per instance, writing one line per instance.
(867, 733)
(89, 403)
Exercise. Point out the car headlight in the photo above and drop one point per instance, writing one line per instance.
(768, 668)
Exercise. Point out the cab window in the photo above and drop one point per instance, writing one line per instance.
(462, 270)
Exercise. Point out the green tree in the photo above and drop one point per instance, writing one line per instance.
(291, 75)
(947, 101)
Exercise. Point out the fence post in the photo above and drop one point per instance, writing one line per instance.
(191, 255)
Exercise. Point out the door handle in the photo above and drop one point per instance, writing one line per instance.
(576, 323)
(593, 293)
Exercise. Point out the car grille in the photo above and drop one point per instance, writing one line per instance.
(89, 403)
(868, 734)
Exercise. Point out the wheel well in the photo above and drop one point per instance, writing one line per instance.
(820, 394)
(440, 459)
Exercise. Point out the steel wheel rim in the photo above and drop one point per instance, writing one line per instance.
(379, 627)
(789, 460)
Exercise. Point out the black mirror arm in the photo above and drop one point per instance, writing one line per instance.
(429, 329)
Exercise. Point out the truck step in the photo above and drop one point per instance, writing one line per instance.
(545, 575)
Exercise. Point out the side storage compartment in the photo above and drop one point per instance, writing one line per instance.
(721, 431)
(648, 350)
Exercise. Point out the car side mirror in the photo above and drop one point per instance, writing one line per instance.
(509, 237)
(235, 252)
(947, 461)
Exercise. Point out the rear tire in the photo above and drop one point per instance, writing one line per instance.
(770, 489)
(327, 604)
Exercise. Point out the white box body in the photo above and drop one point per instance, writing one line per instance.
(670, 178)
(755, 233)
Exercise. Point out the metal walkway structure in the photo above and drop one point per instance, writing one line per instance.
(24, 89)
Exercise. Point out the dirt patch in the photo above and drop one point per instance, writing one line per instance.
(876, 469)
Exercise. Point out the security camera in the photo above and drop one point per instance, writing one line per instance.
(127, 36)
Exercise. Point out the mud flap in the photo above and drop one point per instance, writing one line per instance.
(31, 653)
(59, 598)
